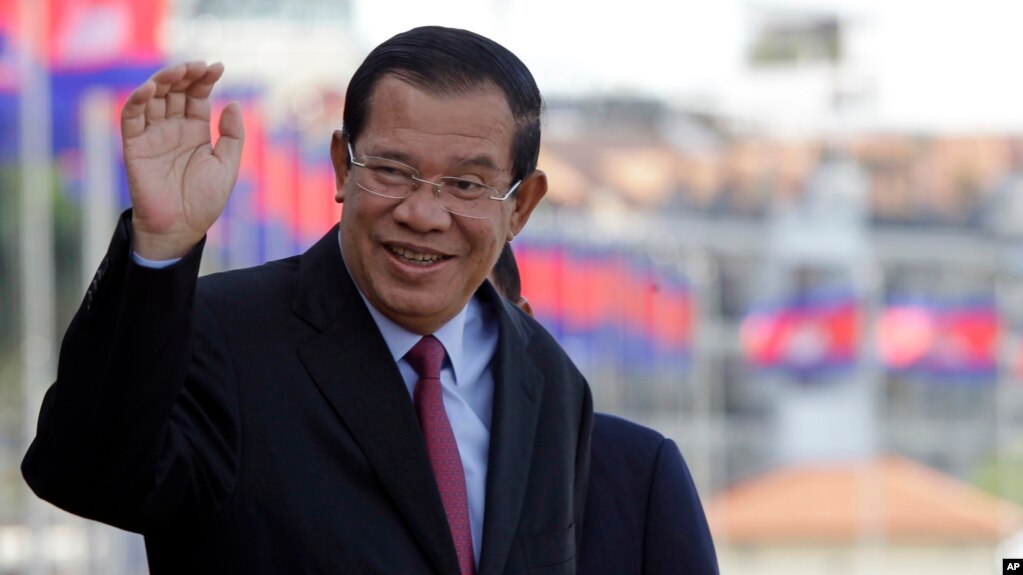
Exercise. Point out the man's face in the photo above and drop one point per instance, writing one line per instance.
(415, 262)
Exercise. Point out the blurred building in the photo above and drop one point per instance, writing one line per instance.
(900, 225)
(888, 515)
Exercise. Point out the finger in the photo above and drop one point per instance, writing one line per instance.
(176, 96)
(174, 104)
(167, 77)
(202, 87)
(133, 120)
(193, 71)
(133, 114)
(198, 103)
(156, 109)
(232, 136)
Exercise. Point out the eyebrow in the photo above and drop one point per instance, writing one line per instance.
(393, 155)
(478, 160)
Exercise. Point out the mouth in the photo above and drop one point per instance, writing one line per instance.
(415, 257)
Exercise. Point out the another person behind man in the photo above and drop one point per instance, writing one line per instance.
(643, 514)
(370, 406)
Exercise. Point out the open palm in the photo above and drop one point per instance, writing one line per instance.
(178, 180)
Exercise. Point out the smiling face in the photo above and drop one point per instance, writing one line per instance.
(415, 262)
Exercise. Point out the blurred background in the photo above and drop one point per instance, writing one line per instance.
(786, 233)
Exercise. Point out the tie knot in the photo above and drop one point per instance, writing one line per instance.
(426, 357)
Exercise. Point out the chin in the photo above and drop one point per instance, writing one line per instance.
(418, 305)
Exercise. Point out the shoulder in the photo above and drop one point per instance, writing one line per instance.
(619, 427)
(627, 452)
(640, 483)
(249, 302)
(250, 285)
(316, 270)
(624, 459)
(620, 443)
(617, 437)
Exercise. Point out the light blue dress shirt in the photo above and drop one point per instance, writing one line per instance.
(467, 380)
(470, 340)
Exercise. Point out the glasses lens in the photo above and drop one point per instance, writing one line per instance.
(385, 178)
(465, 197)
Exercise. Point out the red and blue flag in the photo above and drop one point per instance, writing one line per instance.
(608, 306)
(932, 338)
(809, 334)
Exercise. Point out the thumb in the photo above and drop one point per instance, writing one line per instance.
(232, 135)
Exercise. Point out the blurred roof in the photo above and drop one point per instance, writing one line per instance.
(695, 164)
(891, 498)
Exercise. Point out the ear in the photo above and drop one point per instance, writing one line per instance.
(523, 304)
(339, 157)
(526, 198)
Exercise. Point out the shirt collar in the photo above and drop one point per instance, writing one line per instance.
(400, 340)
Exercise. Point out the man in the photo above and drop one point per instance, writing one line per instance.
(643, 515)
(370, 406)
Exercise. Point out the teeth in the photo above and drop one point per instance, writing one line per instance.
(412, 256)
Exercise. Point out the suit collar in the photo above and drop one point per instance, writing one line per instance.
(518, 385)
(354, 371)
(324, 284)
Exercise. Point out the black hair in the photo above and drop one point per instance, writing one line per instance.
(505, 275)
(451, 61)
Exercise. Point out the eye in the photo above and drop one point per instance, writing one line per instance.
(388, 172)
(464, 188)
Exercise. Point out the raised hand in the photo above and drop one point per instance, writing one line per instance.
(178, 180)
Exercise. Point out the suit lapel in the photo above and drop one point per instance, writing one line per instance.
(518, 385)
(351, 365)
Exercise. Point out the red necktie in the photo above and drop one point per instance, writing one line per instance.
(426, 358)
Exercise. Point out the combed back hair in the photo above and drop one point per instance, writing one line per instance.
(506, 274)
(451, 61)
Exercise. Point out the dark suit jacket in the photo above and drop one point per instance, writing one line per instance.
(643, 515)
(257, 424)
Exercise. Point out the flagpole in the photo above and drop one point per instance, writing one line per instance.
(38, 316)
(1007, 298)
(709, 467)
(105, 549)
(99, 201)
(702, 270)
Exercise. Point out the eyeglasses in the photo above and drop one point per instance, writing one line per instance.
(392, 179)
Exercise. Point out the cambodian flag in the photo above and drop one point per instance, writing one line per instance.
(807, 334)
(543, 274)
(98, 44)
(8, 54)
(944, 339)
(279, 209)
(671, 323)
(98, 34)
(8, 81)
(609, 307)
(317, 211)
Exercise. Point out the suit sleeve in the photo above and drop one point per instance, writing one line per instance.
(132, 432)
(677, 538)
